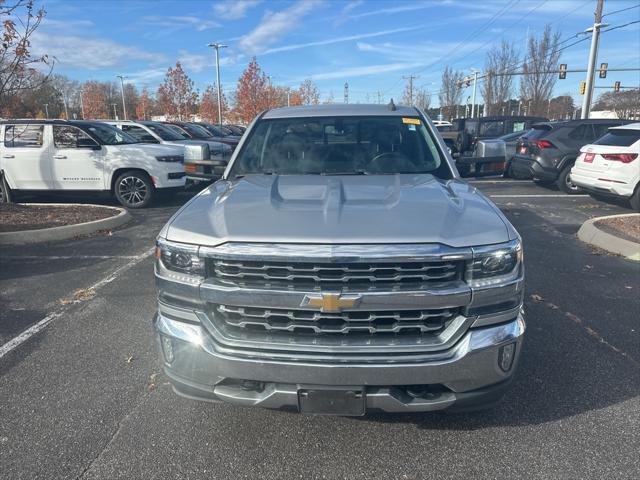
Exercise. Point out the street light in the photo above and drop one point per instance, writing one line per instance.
(124, 107)
(475, 86)
(218, 46)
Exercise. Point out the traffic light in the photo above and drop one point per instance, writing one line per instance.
(563, 71)
(583, 87)
(616, 87)
(603, 70)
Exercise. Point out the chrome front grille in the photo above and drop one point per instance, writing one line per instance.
(401, 322)
(361, 276)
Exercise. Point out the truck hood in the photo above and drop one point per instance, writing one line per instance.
(340, 210)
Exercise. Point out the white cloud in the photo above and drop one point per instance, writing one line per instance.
(364, 71)
(195, 62)
(274, 25)
(89, 53)
(397, 9)
(173, 23)
(234, 9)
(329, 41)
(52, 23)
(424, 52)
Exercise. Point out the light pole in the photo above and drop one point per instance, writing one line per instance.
(124, 107)
(593, 58)
(475, 86)
(46, 109)
(218, 46)
(115, 114)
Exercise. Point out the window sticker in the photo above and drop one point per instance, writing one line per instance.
(412, 121)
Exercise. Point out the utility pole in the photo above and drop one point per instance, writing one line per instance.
(346, 92)
(475, 87)
(124, 107)
(115, 113)
(217, 47)
(66, 110)
(593, 58)
(82, 102)
(410, 78)
(46, 109)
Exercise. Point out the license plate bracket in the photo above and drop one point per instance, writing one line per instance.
(343, 401)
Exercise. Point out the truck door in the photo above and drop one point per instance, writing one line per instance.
(78, 160)
(26, 156)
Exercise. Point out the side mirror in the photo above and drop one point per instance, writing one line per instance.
(87, 143)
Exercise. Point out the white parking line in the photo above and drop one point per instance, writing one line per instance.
(69, 257)
(539, 196)
(40, 325)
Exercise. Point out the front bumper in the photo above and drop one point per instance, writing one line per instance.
(466, 375)
(205, 170)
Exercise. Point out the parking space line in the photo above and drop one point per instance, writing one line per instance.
(40, 325)
(69, 257)
(539, 196)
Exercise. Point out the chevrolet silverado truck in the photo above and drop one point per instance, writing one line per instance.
(340, 266)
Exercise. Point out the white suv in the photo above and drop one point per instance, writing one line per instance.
(59, 155)
(610, 166)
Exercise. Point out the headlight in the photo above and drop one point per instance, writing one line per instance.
(180, 258)
(170, 158)
(493, 265)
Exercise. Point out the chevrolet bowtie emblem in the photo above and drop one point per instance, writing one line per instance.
(330, 302)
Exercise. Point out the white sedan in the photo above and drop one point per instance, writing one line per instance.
(610, 166)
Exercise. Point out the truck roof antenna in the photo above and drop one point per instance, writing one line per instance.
(392, 106)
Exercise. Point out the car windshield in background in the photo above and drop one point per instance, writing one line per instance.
(536, 132)
(110, 135)
(341, 146)
(196, 130)
(165, 133)
(619, 138)
(178, 130)
(512, 136)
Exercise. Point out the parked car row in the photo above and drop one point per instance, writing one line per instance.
(133, 161)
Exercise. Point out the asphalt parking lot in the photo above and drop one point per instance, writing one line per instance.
(82, 395)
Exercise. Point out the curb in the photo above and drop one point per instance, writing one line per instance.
(67, 231)
(592, 235)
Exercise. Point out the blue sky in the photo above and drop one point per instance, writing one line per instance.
(371, 44)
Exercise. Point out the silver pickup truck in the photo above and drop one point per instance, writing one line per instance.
(340, 266)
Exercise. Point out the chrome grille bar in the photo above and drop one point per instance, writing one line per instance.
(307, 321)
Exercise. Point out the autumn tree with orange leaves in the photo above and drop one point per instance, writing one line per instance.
(176, 96)
(94, 96)
(252, 94)
(143, 108)
(209, 104)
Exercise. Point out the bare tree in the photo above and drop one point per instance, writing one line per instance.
(542, 56)
(626, 104)
(450, 91)
(496, 89)
(422, 99)
(18, 68)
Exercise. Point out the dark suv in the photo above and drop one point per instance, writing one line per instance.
(548, 151)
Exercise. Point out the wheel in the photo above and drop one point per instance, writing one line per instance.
(634, 200)
(133, 189)
(5, 191)
(564, 181)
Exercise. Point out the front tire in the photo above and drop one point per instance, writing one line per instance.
(564, 181)
(134, 189)
(634, 200)
(5, 191)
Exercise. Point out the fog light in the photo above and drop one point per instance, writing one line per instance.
(505, 356)
(167, 349)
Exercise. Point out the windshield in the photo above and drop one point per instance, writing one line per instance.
(178, 130)
(165, 133)
(110, 135)
(196, 130)
(341, 146)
